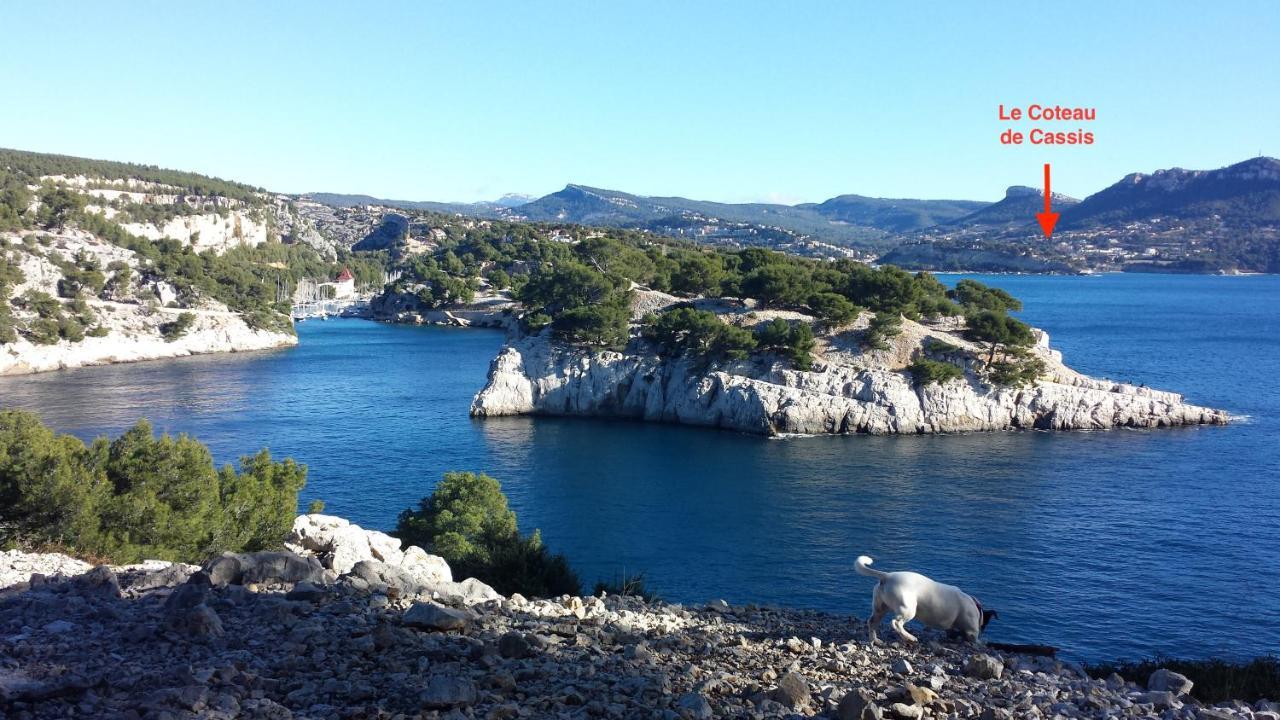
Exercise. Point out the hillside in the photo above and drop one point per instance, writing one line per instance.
(477, 209)
(896, 216)
(103, 261)
(1241, 196)
(1017, 209)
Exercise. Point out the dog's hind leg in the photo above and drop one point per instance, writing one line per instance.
(900, 626)
(900, 620)
(878, 612)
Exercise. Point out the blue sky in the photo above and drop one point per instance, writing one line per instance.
(715, 100)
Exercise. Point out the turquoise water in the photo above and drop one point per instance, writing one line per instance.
(1108, 544)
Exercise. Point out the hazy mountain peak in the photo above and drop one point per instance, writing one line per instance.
(512, 200)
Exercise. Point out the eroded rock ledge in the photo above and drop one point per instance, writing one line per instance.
(848, 391)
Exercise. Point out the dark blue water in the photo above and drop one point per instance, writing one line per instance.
(1108, 544)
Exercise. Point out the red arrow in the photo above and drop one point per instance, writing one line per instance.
(1048, 218)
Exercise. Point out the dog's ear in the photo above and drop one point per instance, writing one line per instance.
(988, 616)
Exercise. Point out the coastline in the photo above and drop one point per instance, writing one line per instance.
(225, 333)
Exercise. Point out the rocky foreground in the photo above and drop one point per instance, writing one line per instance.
(348, 625)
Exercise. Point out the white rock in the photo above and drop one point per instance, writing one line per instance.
(17, 566)
(426, 569)
(844, 394)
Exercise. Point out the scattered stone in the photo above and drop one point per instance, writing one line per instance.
(514, 645)
(695, 706)
(306, 592)
(143, 578)
(857, 705)
(904, 711)
(58, 627)
(984, 667)
(793, 691)
(901, 666)
(445, 691)
(431, 616)
(1161, 699)
(101, 581)
(920, 695)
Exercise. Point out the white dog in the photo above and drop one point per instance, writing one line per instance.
(909, 596)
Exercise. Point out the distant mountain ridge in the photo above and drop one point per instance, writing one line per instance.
(893, 215)
(1246, 193)
(1227, 218)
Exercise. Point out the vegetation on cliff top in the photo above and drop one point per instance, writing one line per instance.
(31, 166)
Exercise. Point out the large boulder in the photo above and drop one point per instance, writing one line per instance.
(263, 568)
(340, 544)
(1170, 681)
(425, 569)
(386, 578)
(468, 592)
(397, 581)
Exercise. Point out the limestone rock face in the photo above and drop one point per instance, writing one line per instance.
(341, 545)
(846, 392)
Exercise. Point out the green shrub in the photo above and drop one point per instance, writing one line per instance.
(99, 331)
(315, 506)
(604, 324)
(698, 333)
(138, 496)
(833, 309)
(466, 521)
(177, 327)
(499, 279)
(535, 322)
(884, 325)
(70, 329)
(1015, 370)
(41, 303)
(795, 341)
(58, 205)
(974, 296)
(997, 329)
(8, 326)
(633, 585)
(43, 331)
(926, 372)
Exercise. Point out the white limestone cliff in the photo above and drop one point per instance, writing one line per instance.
(847, 391)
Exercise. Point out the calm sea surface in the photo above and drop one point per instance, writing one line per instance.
(1108, 544)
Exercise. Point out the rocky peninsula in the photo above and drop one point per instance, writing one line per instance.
(346, 624)
(849, 388)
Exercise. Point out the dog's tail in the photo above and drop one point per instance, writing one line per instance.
(863, 566)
